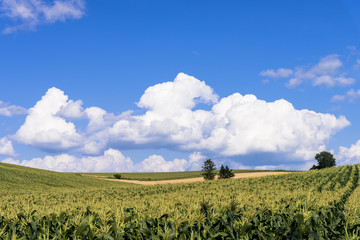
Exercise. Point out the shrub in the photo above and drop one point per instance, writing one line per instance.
(117, 176)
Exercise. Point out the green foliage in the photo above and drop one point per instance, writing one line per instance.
(326, 223)
(208, 169)
(325, 160)
(117, 176)
(225, 172)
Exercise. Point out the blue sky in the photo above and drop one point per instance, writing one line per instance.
(121, 56)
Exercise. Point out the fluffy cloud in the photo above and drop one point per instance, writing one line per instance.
(349, 155)
(236, 125)
(72, 110)
(326, 72)
(181, 94)
(10, 110)
(111, 161)
(6, 147)
(156, 163)
(352, 96)
(273, 167)
(44, 129)
(246, 125)
(30, 13)
(98, 118)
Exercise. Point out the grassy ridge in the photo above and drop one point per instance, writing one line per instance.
(15, 178)
(158, 176)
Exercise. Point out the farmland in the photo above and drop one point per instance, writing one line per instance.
(43, 204)
(151, 176)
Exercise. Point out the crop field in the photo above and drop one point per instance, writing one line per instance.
(151, 176)
(319, 204)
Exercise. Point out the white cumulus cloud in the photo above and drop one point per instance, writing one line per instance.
(245, 124)
(159, 163)
(235, 125)
(349, 155)
(6, 147)
(156, 163)
(28, 14)
(44, 129)
(72, 110)
(183, 93)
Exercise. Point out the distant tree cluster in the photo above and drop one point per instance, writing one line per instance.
(209, 169)
(325, 160)
(225, 172)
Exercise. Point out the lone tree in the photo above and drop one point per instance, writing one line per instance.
(325, 160)
(225, 172)
(117, 176)
(208, 169)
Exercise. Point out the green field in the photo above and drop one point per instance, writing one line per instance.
(17, 180)
(319, 204)
(153, 176)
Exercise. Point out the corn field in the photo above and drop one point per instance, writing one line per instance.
(319, 204)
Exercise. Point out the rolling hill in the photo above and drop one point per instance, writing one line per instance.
(18, 178)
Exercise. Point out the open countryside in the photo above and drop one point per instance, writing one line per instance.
(179, 120)
(46, 205)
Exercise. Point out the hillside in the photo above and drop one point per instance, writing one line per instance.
(319, 204)
(17, 178)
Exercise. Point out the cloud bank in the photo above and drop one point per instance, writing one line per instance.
(28, 14)
(236, 125)
(111, 161)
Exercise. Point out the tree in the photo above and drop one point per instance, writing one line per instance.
(222, 173)
(117, 176)
(208, 169)
(225, 172)
(229, 173)
(325, 160)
